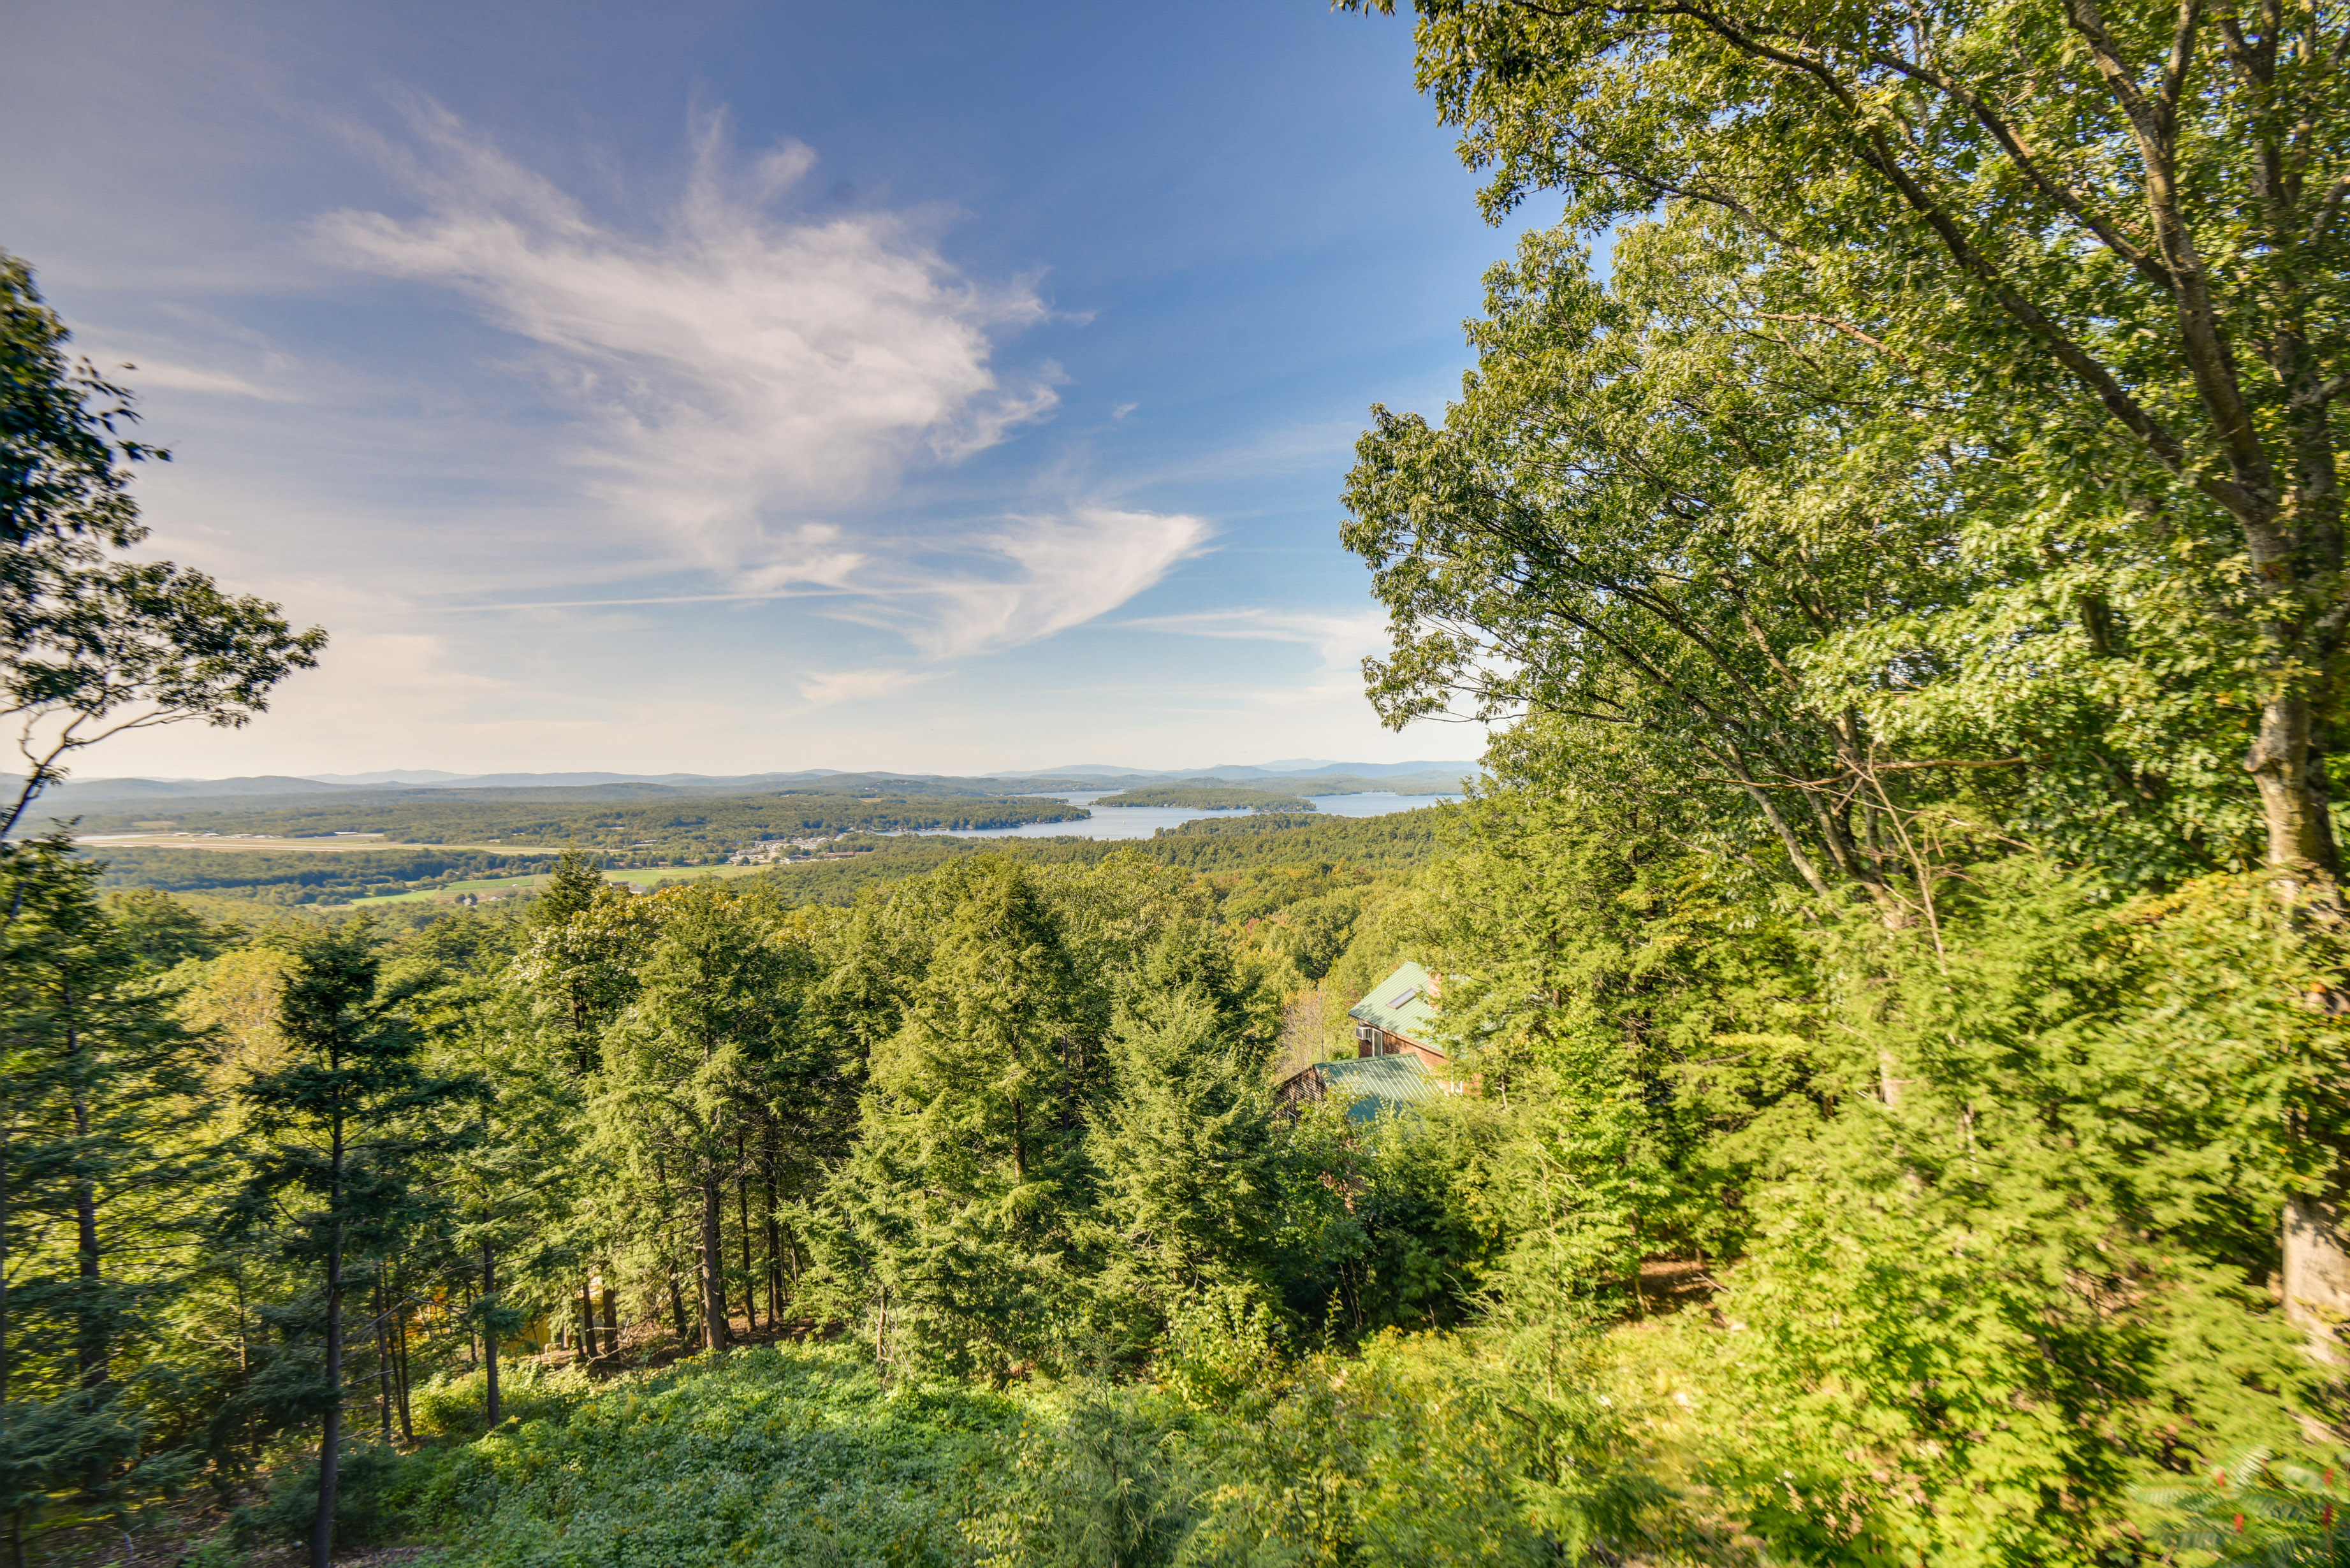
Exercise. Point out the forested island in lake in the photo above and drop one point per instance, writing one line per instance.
(1207, 797)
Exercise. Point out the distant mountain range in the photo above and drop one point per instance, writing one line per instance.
(1083, 775)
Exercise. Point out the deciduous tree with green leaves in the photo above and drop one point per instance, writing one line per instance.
(2117, 232)
(92, 644)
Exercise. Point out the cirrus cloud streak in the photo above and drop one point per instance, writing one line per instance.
(743, 380)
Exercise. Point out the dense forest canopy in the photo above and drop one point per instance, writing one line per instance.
(302, 875)
(1891, 1068)
(694, 823)
(831, 874)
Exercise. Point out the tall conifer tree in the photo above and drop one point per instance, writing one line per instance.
(344, 1127)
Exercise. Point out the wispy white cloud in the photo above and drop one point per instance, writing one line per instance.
(1342, 641)
(755, 385)
(148, 371)
(1050, 573)
(822, 688)
(741, 370)
(1023, 581)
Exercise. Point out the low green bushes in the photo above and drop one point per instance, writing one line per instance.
(785, 1456)
(1422, 1450)
(456, 1405)
(1418, 1452)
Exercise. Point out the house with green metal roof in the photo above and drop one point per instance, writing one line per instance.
(1398, 1015)
(1397, 1064)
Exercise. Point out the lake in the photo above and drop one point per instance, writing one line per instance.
(1142, 821)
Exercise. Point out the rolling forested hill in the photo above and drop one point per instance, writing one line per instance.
(1373, 844)
(295, 878)
(303, 877)
(601, 816)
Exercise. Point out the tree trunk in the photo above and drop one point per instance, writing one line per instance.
(775, 1240)
(587, 1324)
(742, 1208)
(610, 1301)
(382, 1364)
(2317, 1274)
(2289, 769)
(8, 1131)
(713, 1264)
(677, 1311)
(494, 1409)
(400, 1324)
(89, 1319)
(322, 1530)
(90, 1337)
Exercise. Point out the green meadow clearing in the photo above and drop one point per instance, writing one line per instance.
(501, 887)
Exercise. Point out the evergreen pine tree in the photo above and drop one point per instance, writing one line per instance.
(345, 1124)
(93, 1141)
(683, 1064)
(1184, 1159)
(571, 886)
(956, 1205)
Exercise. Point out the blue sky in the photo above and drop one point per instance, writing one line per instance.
(730, 387)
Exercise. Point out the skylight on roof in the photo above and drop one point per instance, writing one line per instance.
(1407, 996)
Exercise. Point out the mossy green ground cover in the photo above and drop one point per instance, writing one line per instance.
(788, 1455)
(1420, 1451)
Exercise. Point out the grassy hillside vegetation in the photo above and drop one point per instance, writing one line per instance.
(806, 1455)
(1209, 797)
(678, 824)
(560, 1026)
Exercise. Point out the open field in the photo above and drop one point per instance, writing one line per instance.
(504, 887)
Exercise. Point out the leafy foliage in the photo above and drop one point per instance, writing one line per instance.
(91, 646)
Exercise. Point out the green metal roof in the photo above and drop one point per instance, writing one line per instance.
(1399, 1005)
(1376, 1084)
